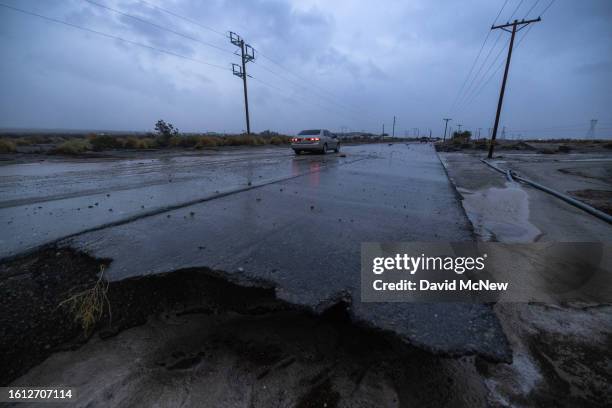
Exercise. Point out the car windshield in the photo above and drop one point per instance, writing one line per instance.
(310, 132)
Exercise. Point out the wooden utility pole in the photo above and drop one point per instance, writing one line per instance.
(445, 127)
(393, 131)
(247, 53)
(520, 24)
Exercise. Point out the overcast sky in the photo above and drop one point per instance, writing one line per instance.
(345, 63)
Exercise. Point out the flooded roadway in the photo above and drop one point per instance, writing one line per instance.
(270, 218)
(43, 202)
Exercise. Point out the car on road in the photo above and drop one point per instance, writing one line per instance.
(315, 140)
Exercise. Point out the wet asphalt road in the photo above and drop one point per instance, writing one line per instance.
(298, 227)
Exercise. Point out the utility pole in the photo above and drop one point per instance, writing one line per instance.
(382, 135)
(514, 30)
(479, 133)
(459, 127)
(445, 127)
(393, 132)
(247, 54)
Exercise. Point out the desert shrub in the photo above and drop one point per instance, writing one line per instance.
(148, 143)
(73, 146)
(133, 143)
(275, 140)
(189, 141)
(23, 141)
(104, 142)
(207, 141)
(173, 141)
(7, 146)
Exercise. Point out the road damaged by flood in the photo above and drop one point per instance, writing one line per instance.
(281, 259)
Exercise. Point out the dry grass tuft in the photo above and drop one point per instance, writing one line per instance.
(88, 306)
(73, 146)
(7, 146)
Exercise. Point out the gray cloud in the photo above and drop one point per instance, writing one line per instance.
(380, 59)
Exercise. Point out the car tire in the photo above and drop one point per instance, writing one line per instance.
(297, 152)
(337, 150)
(324, 151)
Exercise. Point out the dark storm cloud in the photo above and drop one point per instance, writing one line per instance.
(385, 58)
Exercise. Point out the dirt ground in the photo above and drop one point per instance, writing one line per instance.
(190, 338)
(562, 354)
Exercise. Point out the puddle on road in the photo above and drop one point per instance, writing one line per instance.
(500, 214)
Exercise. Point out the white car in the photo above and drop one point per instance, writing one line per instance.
(315, 140)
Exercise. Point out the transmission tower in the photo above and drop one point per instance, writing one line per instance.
(591, 133)
(247, 54)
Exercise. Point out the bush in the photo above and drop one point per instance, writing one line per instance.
(7, 146)
(276, 141)
(104, 142)
(74, 146)
(206, 141)
(139, 143)
(165, 131)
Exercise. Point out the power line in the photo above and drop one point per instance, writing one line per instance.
(302, 78)
(330, 96)
(483, 85)
(476, 90)
(470, 87)
(473, 87)
(329, 100)
(114, 37)
(160, 27)
(516, 9)
(302, 99)
(163, 10)
(547, 7)
(535, 3)
(477, 56)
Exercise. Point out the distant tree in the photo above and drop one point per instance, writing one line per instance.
(165, 131)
